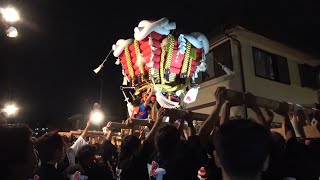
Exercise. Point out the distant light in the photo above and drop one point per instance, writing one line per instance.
(10, 14)
(12, 32)
(96, 117)
(10, 109)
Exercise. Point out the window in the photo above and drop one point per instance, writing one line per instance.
(223, 54)
(271, 66)
(309, 76)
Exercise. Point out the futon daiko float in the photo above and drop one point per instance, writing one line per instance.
(158, 59)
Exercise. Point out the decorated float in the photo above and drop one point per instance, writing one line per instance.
(155, 58)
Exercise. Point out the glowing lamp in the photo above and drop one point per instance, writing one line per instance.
(10, 14)
(12, 32)
(10, 110)
(96, 117)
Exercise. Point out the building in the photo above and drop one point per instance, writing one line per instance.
(262, 66)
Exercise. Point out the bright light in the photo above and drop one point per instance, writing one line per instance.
(10, 110)
(10, 14)
(12, 32)
(96, 117)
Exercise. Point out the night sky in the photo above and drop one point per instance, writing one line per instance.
(48, 70)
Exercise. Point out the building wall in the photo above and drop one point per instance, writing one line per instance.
(271, 89)
(258, 86)
(207, 89)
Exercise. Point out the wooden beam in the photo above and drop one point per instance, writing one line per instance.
(183, 113)
(119, 125)
(68, 134)
(89, 133)
(143, 122)
(235, 96)
(230, 95)
(274, 105)
(79, 132)
(136, 122)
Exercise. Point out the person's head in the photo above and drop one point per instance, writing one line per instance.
(242, 148)
(86, 155)
(276, 160)
(108, 151)
(316, 114)
(129, 145)
(137, 101)
(51, 147)
(67, 140)
(145, 96)
(167, 138)
(17, 155)
(278, 142)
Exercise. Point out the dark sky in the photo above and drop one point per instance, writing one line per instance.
(48, 69)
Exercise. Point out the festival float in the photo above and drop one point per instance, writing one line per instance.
(155, 58)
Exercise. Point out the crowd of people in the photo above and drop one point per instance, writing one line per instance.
(224, 147)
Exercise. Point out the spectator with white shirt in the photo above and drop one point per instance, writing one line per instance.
(72, 151)
(88, 166)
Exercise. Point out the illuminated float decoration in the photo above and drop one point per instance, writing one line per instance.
(155, 58)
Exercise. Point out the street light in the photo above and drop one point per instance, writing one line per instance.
(96, 117)
(10, 14)
(10, 110)
(12, 32)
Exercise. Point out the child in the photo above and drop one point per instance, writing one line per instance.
(141, 105)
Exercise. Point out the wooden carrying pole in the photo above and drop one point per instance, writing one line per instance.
(117, 125)
(143, 122)
(183, 113)
(274, 105)
(89, 133)
(136, 122)
(79, 132)
(232, 96)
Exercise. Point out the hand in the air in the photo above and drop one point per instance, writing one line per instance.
(219, 95)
